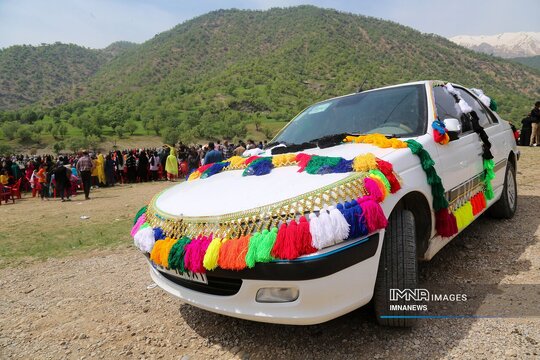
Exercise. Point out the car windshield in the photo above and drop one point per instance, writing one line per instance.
(399, 111)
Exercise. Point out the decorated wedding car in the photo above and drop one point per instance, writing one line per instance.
(337, 210)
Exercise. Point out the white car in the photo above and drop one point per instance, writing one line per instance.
(431, 155)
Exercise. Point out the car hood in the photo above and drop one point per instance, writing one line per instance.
(230, 192)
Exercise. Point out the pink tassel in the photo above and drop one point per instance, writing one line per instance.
(194, 255)
(373, 189)
(302, 160)
(372, 214)
(138, 224)
(445, 223)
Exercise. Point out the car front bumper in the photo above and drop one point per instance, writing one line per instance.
(330, 284)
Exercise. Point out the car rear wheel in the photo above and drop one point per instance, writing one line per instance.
(398, 269)
(505, 207)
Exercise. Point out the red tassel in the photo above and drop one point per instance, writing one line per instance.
(304, 237)
(476, 203)
(437, 136)
(250, 159)
(388, 170)
(372, 214)
(482, 200)
(445, 223)
(280, 244)
(302, 160)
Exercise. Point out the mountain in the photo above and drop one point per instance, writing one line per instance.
(50, 74)
(531, 61)
(506, 45)
(209, 76)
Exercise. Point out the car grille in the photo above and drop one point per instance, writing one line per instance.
(216, 285)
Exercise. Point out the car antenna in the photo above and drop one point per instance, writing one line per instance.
(362, 86)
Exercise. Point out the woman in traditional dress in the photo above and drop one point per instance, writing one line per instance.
(171, 166)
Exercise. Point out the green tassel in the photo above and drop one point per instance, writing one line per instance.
(176, 255)
(378, 173)
(489, 175)
(318, 162)
(493, 105)
(139, 214)
(251, 256)
(266, 243)
(433, 179)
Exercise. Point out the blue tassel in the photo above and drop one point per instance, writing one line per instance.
(259, 167)
(439, 126)
(352, 212)
(158, 234)
(214, 169)
(344, 166)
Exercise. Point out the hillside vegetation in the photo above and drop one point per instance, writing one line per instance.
(211, 76)
(531, 61)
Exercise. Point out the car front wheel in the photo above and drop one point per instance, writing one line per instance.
(398, 269)
(505, 207)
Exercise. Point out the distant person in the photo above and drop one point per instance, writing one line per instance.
(535, 120)
(239, 150)
(154, 166)
(84, 167)
(100, 166)
(110, 170)
(213, 155)
(131, 165)
(142, 167)
(62, 180)
(171, 165)
(42, 180)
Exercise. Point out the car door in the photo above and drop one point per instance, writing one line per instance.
(461, 158)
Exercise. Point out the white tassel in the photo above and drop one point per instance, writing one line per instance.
(465, 108)
(326, 225)
(339, 224)
(144, 239)
(450, 89)
(485, 99)
(316, 231)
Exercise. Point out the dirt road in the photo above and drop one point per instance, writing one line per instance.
(99, 305)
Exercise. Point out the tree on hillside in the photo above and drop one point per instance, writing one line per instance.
(10, 129)
(130, 127)
(24, 134)
(58, 146)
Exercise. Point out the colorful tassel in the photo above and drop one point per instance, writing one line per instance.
(364, 163)
(141, 220)
(344, 166)
(378, 174)
(373, 189)
(493, 105)
(280, 244)
(210, 260)
(159, 234)
(302, 160)
(304, 240)
(236, 162)
(250, 159)
(489, 175)
(232, 255)
(214, 169)
(251, 255)
(283, 160)
(388, 170)
(317, 232)
(259, 166)
(326, 225)
(378, 140)
(445, 223)
(139, 214)
(372, 214)
(339, 224)
(321, 164)
(144, 239)
(266, 243)
(176, 255)
(194, 254)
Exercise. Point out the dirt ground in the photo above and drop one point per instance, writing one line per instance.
(100, 303)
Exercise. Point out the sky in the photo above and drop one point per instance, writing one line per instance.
(98, 23)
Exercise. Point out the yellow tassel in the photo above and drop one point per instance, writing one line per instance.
(194, 175)
(284, 160)
(155, 255)
(210, 261)
(378, 140)
(364, 162)
(236, 163)
(165, 250)
(468, 213)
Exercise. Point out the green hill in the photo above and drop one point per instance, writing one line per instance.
(210, 76)
(530, 61)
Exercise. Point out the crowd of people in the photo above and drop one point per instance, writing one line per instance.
(48, 176)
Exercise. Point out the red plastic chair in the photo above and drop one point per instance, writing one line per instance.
(16, 189)
(6, 194)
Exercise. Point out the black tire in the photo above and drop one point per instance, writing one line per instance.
(506, 206)
(398, 268)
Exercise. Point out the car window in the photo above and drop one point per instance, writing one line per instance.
(448, 108)
(485, 119)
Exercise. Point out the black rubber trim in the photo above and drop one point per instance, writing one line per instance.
(305, 269)
(215, 286)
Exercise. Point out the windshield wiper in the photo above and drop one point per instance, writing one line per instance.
(322, 142)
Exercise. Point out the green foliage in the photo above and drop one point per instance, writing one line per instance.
(24, 133)
(10, 129)
(76, 143)
(92, 141)
(130, 127)
(530, 61)
(58, 147)
(268, 133)
(5, 148)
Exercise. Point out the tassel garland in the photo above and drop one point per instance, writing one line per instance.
(144, 239)
(210, 260)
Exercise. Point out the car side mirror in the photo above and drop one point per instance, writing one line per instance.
(453, 127)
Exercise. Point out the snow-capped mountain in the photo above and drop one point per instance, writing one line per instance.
(506, 45)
